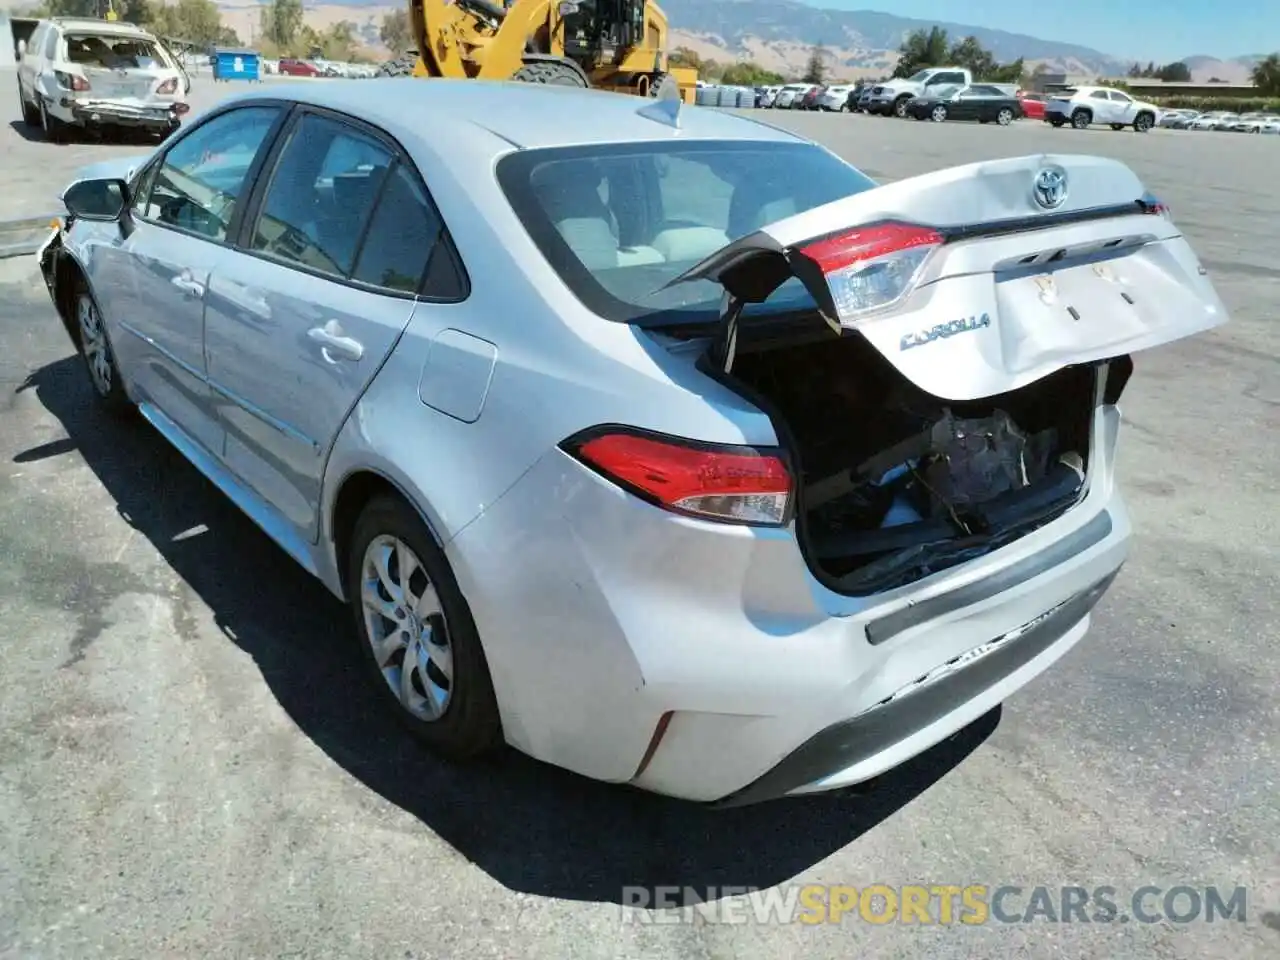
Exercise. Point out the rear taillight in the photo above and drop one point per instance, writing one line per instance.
(1153, 205)
(738, 484)
(69, 81)
(169, 86)
(874, 267)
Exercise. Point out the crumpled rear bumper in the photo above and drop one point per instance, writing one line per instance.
(125, 114)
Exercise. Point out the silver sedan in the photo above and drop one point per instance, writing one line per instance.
(656, 442)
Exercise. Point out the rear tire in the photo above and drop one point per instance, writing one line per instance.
(663, 86)
(938, 114)
(1117, 126)
(1055, 123)
(553, 72)
(1004, 117)
(467, 725)
(401, 66)
(30, 115)
(52, 127)
(1081, 119)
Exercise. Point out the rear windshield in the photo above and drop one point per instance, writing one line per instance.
(619, 221)
(114, 53)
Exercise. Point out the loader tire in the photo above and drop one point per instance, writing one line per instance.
(401, 66)
(665, 86)
(549, 71)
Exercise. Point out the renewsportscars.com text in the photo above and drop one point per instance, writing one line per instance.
(973, 904)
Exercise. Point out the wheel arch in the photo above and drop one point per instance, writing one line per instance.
(67, 272)
(353, 493)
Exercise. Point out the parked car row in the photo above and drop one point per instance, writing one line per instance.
(1262, 122)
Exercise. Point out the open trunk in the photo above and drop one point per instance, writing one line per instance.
(938, 399)
(894, 483)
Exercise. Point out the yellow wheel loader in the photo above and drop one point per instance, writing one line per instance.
(616, 45)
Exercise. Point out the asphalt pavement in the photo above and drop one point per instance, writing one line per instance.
(191, 766)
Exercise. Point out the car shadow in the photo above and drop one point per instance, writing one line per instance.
(29, 134)
(532, 827)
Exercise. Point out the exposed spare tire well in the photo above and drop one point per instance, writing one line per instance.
(837, 405)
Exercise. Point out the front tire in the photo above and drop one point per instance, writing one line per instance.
(900, 107)
(420, 645)
(1143, 122)
(554, 72)
(97, 353)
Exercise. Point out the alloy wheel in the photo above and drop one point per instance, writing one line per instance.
(406, 627)
(93, 341)
(939, 114)
(1004, 117)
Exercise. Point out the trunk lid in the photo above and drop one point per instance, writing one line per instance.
(127, 84)
(1009, 270)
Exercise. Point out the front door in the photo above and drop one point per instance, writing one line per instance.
(185, 212)
(1122, 108)
(304, 315)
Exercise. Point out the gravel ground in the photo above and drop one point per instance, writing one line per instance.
(189, 765)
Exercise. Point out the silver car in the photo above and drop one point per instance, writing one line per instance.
(657, 442)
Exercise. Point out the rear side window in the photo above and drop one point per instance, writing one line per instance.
(403, 238)
(320, 196)
(618, 222)
(51, 44)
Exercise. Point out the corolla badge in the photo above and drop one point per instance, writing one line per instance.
(944, 330)
(1050, 187)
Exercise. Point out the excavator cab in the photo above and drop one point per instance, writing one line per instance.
(611, 44)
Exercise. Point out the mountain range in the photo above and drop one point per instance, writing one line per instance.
(780, 35)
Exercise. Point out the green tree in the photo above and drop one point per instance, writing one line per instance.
(920, 49)
(971, 55)
(1176, 72)
(1266, 76)
(196, 21)
(280, 22)
(815, 70)
(749, 75)
(395, 33)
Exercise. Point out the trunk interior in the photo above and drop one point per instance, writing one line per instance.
(896, 484)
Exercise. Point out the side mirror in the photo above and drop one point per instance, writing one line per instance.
(100, 200)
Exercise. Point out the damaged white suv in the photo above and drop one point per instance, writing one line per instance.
(89, 74)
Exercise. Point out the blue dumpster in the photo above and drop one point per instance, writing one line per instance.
(229, 64)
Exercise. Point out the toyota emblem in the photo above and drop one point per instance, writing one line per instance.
(1050, 188)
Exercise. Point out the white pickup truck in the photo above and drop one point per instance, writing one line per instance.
(890, 98)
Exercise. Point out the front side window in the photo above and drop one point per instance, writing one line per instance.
(320, 196)
(202, 177)
(618, 222)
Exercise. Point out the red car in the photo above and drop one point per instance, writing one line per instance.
(810, 100)
(298, 68)
(1032, 105)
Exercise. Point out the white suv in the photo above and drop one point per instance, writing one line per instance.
(1081, 106)
(80, 72)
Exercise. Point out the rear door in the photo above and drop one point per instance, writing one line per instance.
(302, 316)
(980, 279)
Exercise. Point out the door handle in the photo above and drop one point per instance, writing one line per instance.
(333, 345)
(191, 289)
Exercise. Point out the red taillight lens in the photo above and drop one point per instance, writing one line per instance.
(733, 483)
(1153, 205)
(71, 82)
(169, 86)
(874, 267)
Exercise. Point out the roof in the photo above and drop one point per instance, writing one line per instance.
(525, 115)
(90, 24)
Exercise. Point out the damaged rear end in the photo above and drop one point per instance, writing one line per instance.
(941, 398)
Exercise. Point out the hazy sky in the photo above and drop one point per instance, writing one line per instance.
(1142, 29)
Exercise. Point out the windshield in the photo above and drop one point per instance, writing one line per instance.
(919, 77)
(619, 221)
(114, 53)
